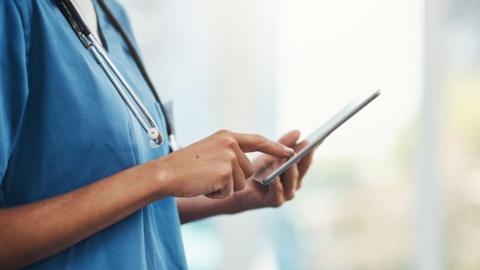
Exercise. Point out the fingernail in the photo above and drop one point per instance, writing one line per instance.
(288, 150)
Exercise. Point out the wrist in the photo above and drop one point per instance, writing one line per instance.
(239, 202)
(228, 206)
(161, 187)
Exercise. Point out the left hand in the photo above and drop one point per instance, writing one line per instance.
(284, 187)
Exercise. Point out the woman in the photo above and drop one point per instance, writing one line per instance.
(80, 186)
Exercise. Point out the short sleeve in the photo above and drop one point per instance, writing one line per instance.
(13, 80)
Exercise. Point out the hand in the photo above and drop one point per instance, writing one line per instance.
(216, 166)
(284, 187)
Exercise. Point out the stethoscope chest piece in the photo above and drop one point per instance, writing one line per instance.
(156, 138)
(131, 99)
(154, 144)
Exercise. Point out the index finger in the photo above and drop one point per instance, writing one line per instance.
(254, 142)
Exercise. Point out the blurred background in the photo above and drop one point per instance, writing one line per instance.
(398, 187)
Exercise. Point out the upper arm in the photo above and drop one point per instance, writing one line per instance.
(13, 79)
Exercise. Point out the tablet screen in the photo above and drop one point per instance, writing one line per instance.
(278, 166)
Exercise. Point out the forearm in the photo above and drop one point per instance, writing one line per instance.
(201, 207)
(35, 231)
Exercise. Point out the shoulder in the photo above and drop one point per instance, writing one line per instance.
(14, 16)
(17, 14)
(22, 7)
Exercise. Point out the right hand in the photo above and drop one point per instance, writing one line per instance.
(215, 166)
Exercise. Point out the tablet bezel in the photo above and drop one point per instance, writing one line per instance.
(320, 134)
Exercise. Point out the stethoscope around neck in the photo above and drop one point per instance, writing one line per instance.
(131, 99)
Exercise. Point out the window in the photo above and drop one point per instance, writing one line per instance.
(396, 188)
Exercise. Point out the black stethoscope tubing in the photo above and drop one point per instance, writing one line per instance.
(84, 34)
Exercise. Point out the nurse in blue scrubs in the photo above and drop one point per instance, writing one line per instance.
(80, 187)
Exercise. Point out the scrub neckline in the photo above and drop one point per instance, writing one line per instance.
(101, 35)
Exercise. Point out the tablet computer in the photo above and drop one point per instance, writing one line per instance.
(276, 168)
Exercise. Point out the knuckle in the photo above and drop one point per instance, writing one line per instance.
(229, 142)
(228, 193)
(227, 190)
(225, 174)
(223, 132)
(259, 140)
(277, 194)
(215, 189)
(240, 186)
(289, 196)
(277, 202)
(278, 188)
(231, 156)
(299, 185)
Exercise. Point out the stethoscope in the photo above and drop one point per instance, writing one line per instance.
(131, 99)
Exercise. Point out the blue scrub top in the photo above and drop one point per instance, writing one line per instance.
(63, 126)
